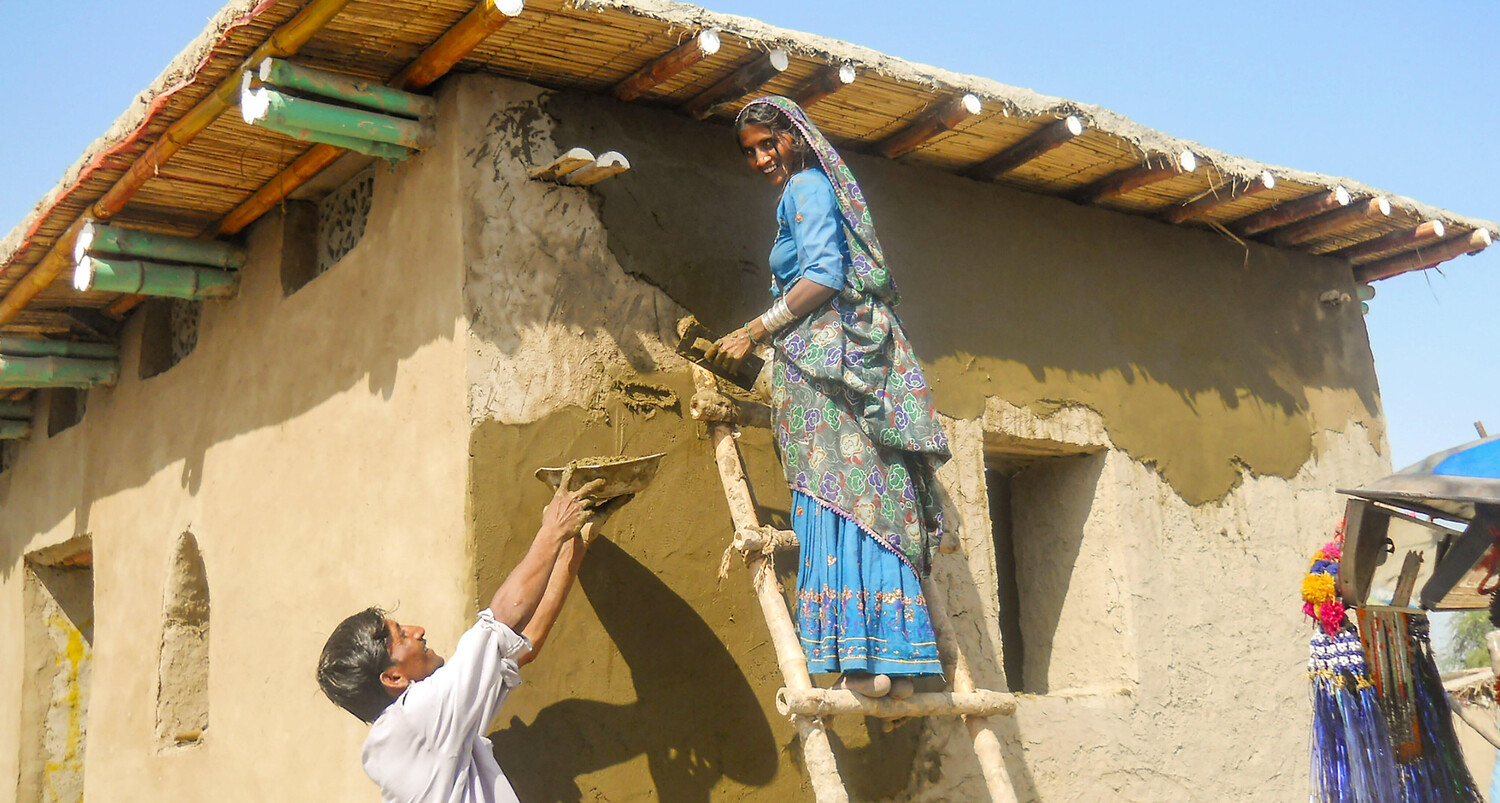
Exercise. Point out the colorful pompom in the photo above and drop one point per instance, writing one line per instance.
(1331, 615)
(1320, 589)
(1317, 588)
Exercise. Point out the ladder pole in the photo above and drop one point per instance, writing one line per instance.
(986, 743)
(817, 752)
(789, 655)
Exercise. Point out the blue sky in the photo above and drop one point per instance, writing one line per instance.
(1397, 95)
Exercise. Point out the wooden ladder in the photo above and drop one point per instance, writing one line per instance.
(805, 705)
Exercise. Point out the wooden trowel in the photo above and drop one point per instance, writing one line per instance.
(694, 346)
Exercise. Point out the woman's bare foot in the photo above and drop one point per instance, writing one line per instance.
(902, 688)
(867, 685)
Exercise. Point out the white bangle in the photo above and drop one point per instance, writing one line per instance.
(777, 317)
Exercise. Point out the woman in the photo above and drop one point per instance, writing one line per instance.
(853, 415)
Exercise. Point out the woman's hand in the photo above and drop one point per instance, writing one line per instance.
(730, 351)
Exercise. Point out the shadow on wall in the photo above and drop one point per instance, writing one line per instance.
(687, 688)
(659, 680)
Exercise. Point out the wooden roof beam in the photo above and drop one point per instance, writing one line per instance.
(484, 19)
(1221, 195)
(1395, 241)
(1038, 142)
(285, 41)
(1290, 212)
(828, 81)
(57, 372)
(1469, 243)
(748, 78)
(680, 58)
(942, 118)
(1330, 222)
(1134, 178)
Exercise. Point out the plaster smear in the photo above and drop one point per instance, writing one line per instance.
(553, 319)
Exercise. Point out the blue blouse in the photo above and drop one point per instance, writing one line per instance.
(810, 240)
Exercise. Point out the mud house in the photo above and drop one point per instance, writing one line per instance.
(314, 373)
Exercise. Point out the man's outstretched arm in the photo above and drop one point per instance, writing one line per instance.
(564, 572)
(515, 602)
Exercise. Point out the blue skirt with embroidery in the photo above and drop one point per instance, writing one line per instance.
(859, 607)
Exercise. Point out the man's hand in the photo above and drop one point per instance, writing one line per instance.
(568, 510)
(598, 516)
(730, 351)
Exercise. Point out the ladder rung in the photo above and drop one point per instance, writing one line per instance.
(828, 702)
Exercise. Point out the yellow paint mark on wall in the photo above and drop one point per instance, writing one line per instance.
(66, 768)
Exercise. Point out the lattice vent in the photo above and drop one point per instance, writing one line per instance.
(341, 218)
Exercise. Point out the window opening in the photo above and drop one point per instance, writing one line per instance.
(1056, 615)
(169, 334)
(1012, 640)
(65, 407)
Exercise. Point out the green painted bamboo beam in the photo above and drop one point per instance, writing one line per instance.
(268, 104)
(14, 430)
(15, 410)
(101, 238)
(39, 347)
(56, 372)
(101, 275)
(348, 89)
(394, 153)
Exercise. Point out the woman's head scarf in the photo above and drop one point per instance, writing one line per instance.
(870, 273)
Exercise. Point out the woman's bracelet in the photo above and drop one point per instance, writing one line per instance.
(749, 335)
(777, 317)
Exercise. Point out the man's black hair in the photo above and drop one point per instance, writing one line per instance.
(357, 651)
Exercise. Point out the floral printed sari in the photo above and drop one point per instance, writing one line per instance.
(855, 421)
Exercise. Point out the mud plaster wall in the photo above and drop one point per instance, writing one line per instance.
(1222, 402)
(315, 445)
(1033, 299)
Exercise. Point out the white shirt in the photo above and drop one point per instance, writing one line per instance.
(428, 746)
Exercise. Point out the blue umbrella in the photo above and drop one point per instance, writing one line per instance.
(1460, 485)
(1448, 484)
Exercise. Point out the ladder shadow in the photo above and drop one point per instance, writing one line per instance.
(695, 718)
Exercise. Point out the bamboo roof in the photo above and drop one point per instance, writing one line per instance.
(592, 45)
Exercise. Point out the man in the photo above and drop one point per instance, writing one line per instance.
(428, 717)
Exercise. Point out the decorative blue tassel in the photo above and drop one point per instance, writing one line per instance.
(1351, 756)
(1442, 760)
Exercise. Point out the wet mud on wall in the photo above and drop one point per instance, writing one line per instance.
(658, 682)
(1203, 359)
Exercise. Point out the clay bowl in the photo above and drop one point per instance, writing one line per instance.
(621, 475)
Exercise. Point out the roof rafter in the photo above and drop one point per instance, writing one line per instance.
(1052, 135)
(1134, 178)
